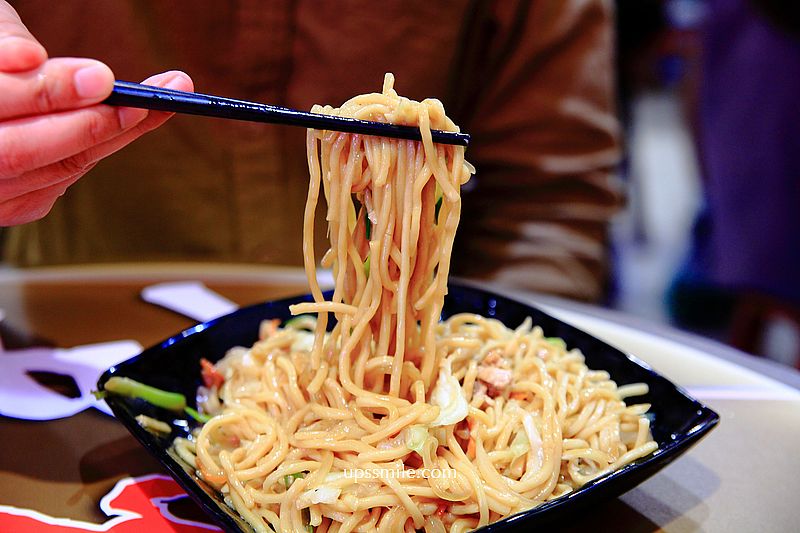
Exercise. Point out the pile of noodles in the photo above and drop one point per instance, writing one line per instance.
(395, 421)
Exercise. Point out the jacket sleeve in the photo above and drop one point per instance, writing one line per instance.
(545, 142)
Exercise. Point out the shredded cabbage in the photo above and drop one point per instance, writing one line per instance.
(372, 216)
(534, 438)
(416, 437)
(321, 494)
(520, 445)
(557, 342)
(449, 396)
(304, 342)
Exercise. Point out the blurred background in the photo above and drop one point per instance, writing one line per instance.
(708, 241)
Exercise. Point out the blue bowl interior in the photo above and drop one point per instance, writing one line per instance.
(678, 421)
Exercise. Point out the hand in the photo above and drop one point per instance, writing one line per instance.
(52, 128)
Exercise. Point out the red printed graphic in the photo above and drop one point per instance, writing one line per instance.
(133, 505)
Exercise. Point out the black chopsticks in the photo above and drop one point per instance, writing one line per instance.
(144, 96)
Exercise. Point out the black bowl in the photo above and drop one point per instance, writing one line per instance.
(678, 421)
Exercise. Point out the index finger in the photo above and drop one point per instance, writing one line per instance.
(19, 50)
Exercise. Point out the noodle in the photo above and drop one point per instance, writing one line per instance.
(394, 421)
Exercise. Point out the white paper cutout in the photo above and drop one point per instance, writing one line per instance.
(189, 298)
(21, 396)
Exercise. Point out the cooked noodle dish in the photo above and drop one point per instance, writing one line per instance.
(366, 412)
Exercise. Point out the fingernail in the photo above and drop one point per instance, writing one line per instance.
(176, 82)
(93, 81)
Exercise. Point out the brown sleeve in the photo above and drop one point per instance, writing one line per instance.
(545, 144)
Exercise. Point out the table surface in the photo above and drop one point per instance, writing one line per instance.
(742, 477)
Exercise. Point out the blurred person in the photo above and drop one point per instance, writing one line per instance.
(744, 265)
(532, 82)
